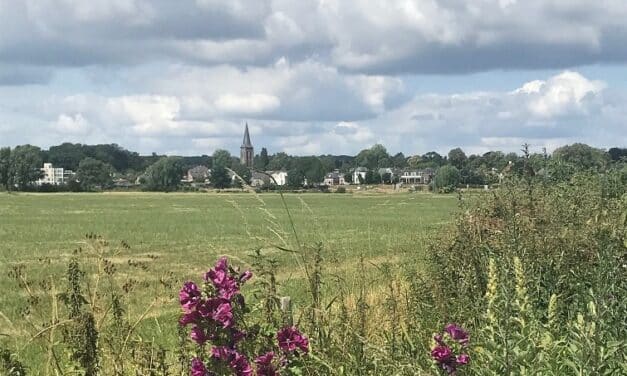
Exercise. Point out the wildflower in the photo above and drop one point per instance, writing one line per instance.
(290, 339)
(462, 359)
(245, 276)
(441, 354)
(236, 361)
(457, 333)
(198, 368)
(198, 335)
(224, 315)
(189, 318)
(265, 366)
(226, 285)
(189, 296)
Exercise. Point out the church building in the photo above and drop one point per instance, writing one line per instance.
(247, 153)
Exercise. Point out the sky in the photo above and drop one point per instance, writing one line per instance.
(314, 77)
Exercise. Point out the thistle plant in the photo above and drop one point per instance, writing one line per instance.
(216, 315)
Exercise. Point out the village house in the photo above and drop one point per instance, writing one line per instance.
(260, 179)
(415, 176)
(198, 174)
(334, 178)
(359, 175)
(54, 175)
(278, 177)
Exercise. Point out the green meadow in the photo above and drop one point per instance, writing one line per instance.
(171, 237)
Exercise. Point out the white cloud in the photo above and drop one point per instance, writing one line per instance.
(247, 104)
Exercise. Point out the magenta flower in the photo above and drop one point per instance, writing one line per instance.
(441, 354)
(265, 366)
(236, 361)
(226, 285)
(198, 368)
(462, 359)
(457, 333)
(224, 315)
(245, 276)
(198, 335)
(189, 318)
(189, 296)
(291, 339)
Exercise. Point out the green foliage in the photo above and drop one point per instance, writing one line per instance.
(222, 158)
(220, 177)
(376, 156)
(243, 175)
(93, 173)
(447, 178)
(5, 168)
(26, 162)
(165, 174)
(582, 156)
(457, 158)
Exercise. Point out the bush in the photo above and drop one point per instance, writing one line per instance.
(340, 190)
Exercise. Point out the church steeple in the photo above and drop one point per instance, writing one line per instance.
(246, 150)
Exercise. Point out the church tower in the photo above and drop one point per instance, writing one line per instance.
(247, 152)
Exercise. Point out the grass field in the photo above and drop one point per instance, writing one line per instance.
(181, 235)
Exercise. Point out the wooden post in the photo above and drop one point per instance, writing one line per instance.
(286, 310)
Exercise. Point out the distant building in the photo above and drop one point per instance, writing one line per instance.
(55, 175)
(247, 152)
(334, 178)
(417, 176)
(278, 177)
(197, 174)
(260, 179)
(359, 175)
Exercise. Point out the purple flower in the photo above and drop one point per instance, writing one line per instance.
(441, 354)
(457, 333)
(245, 276)
(238, 362)
(226, 285)
(198, 335)
(189, 296)
(265, 366)
(198, 368)
(438, 339)
(240, 365)
(290, 339)
(224, 315)
(462, 359)
(189, 318)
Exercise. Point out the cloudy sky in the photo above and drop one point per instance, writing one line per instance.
(310, 77)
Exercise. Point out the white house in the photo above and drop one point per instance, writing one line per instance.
(278, 177)
(359, 175)
(334, 178)
(417, 176)
(54, 176)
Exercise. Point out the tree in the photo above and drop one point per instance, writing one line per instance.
(447, 177)
(243, 172)
(617, 154)
(222, 158)
(295, 178)
(457, 158)
(280, 161)
(264, 160)
(165, 174)
(220, 177)
(26, 163)
(5, 168)
(66, 155)
(311, 168)
(371, 158)
(432, 159)
(582, 156)
(399, 161)
(93, 173)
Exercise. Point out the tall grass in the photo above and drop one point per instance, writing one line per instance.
(535, 271)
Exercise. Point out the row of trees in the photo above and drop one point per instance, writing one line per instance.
(97, 165)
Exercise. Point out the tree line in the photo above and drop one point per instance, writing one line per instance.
(96, 166)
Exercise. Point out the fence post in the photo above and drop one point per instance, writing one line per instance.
(286, 310)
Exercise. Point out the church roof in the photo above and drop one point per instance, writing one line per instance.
(246, 142)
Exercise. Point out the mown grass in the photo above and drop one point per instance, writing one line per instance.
(174, 237)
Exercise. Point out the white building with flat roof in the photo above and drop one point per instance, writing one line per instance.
(54, 175)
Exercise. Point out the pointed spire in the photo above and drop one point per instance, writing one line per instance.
(246, 143)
